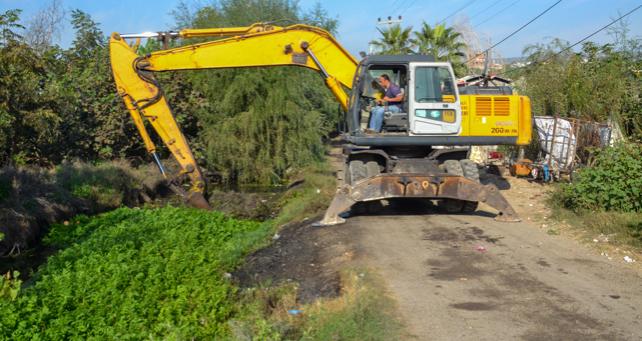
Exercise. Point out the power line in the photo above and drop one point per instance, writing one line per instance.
(512, 34)
(384, 12)
(487, 8)
(401, 5)
(570, 47)
(408, 7)
(494, 15)
(459, 10)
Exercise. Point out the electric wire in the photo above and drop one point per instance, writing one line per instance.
(400, 5)
(458, 10)
(389, 7)
(570, 47)
(487, 8)
(408, 7)
(494, 15)
(512, 34)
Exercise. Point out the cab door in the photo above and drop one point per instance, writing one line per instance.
(433, 101)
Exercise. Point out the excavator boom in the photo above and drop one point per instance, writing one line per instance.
(257, 45)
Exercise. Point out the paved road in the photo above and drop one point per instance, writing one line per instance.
(526, 285)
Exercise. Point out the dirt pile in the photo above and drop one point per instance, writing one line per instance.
(243, 205)
(33, 198)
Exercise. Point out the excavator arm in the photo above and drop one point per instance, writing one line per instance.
(254, 46)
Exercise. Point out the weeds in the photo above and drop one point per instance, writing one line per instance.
(311, 197)
(364, 311)
(130, 272)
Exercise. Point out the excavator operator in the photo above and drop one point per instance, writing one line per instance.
(394, 99)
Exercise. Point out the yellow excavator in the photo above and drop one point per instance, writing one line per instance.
(421, 151)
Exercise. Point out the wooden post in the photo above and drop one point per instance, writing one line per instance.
(550, 152)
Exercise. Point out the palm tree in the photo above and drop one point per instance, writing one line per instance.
(443, 43)
(394, 41)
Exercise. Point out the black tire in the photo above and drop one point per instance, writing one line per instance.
(372, 169)
(470, 170)
(357, 171)
(453, 167)
(453, 205)
(471, 173)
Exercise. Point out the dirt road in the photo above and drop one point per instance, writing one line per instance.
(526, 285)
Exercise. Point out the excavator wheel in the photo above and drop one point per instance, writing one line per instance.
(471, 173)
(357, 171)
(453, 205)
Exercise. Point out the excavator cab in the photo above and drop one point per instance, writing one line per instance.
(431, 103)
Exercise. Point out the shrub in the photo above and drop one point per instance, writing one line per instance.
(614, 183)
(134, 274)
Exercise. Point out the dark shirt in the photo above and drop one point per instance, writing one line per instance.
(392, 92)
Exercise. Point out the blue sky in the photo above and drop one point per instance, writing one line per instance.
(570, 20)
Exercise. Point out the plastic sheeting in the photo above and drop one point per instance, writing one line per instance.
(563, 136)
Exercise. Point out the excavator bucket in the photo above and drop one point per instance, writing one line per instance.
(196, 199)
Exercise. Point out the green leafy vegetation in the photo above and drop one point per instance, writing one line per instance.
(136, 274)
(444, 43)
(9, 287)
(605, 200)
(613, 184)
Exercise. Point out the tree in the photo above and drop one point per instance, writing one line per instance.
(394, 40)
(262, 123)
(43, 28)
(28, 115)
(443, 43)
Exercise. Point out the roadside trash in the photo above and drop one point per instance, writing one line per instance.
(294, 312)
(227, 275)
(66, 223)
(480, 249)
(318, 191)
(629, 260)
(545, 225)
(276, 236)
(361, 275)
(605, 254)
(538, 195)
(530, 204)
(598, 273)
(463, 279)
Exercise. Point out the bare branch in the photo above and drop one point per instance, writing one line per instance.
(44, 28)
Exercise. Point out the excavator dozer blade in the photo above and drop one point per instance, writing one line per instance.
(429, 186)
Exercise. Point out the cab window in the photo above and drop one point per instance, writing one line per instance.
(433, 84)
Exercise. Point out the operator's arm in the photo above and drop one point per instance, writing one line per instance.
(399, 98)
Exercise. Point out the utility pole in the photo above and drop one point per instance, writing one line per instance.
(389, 22)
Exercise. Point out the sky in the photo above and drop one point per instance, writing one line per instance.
(570, 20)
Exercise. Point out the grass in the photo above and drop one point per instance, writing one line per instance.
(623, 229)
(364, 311)
(311, 197)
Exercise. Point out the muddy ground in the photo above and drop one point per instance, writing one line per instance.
(524, 285)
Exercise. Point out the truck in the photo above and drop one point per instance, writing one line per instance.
(421, 152)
